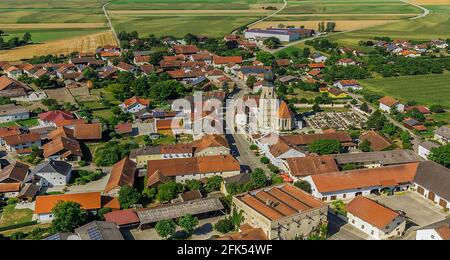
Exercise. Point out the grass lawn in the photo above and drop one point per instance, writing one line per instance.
(304, 94)
(12, 216)
(104, 113)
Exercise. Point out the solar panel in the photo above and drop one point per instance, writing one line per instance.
(53, 237)
(94, 233)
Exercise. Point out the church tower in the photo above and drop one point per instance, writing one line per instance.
(268, 104)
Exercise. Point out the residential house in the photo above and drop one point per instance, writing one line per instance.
(12, 88)
(195, 168)
(377, 141)
(8, 131)
(346, 62)
(347, 85)
(124, 129)
(23, 141)
(14, 72)
(90, 201)
(442, 134)
(388, 103)
(437, 231)
(414, 124)
(432, 181)
(16, 172)
(283, 212)
(425, 148)
(317, 57)
(88, 132)
(51, 117)
(11, 112)
(185, 49)
(52, 173)
(134, 104)
(123, 173)
(63, 148)
(10, 190)
(211, 145)
(376, 220)
(99, 230)
(141, 60)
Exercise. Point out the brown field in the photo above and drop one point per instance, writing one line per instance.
(53, 26)
(62, 95)
(344, 25)
(86, 43)
(82, 94)
(430, 2)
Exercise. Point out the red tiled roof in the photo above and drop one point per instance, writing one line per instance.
(54, 115)
(228, 59)
(388, 101)
(122, 217)
(185, 49)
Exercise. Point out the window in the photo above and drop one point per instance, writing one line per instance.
(432, 236)
(362, 226)
(353, 221)
(371, 232)
(344, 195)
(333, 197)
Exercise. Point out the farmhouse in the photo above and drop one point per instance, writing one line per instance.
(134, 104)
(346, 62)
(388, 103)
(123, 173)
(51, 117)
(436, 231)
(63, 148)
(349, 184)
(211, 145)
(194, 168)
(220, 61)
(8, 131)
(432, 181)
(185, 49)
(282, 211)
(376, 220)
(88, 132)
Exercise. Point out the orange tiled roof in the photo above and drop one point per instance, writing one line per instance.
(227, 59)
(9, 187)
(311, 165)
(364, 178)
(371, 212)
(377, 141)
(388, 101)
(88, 131)
(210, 141)
(88, 201)
(134, 100)
(122, 174)
(284, 111)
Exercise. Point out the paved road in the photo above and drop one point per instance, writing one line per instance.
(239, 144)
(110, 23)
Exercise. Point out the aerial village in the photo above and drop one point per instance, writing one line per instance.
(96, 146)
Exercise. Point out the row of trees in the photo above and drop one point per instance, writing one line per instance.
(328, 27)
(14, 42)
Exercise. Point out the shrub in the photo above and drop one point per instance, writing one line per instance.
(265, 160)
(224, 226)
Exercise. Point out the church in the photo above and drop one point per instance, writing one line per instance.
(269, 112)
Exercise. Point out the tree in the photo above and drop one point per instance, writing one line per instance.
(406, 140)
(188, 223)
(265, 57)
(349, 167)
(364, 107)
(168, 191)
(258, 179)
(437, 108)
(250, 81)
(339, 207)
(67, 215)
(237, 217)
(304, 185)
(306, 52)
(376, 121)
(365, 146)
(276, 179)
(165, 228)
(325, 146)
(194, 185)
(26, 37)
(272, 42)
(224, 226)
(213, 183)
(441, 155)
(128, 196)
(265, 160)
(316, 107)
(416, 114)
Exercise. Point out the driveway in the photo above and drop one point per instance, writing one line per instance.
(340, 230)
(419, 210)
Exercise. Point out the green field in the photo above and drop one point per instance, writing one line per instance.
(188, 4)
(372, 7)
(435, 25)
(210, 25)
(425, 89)
(44, 35)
